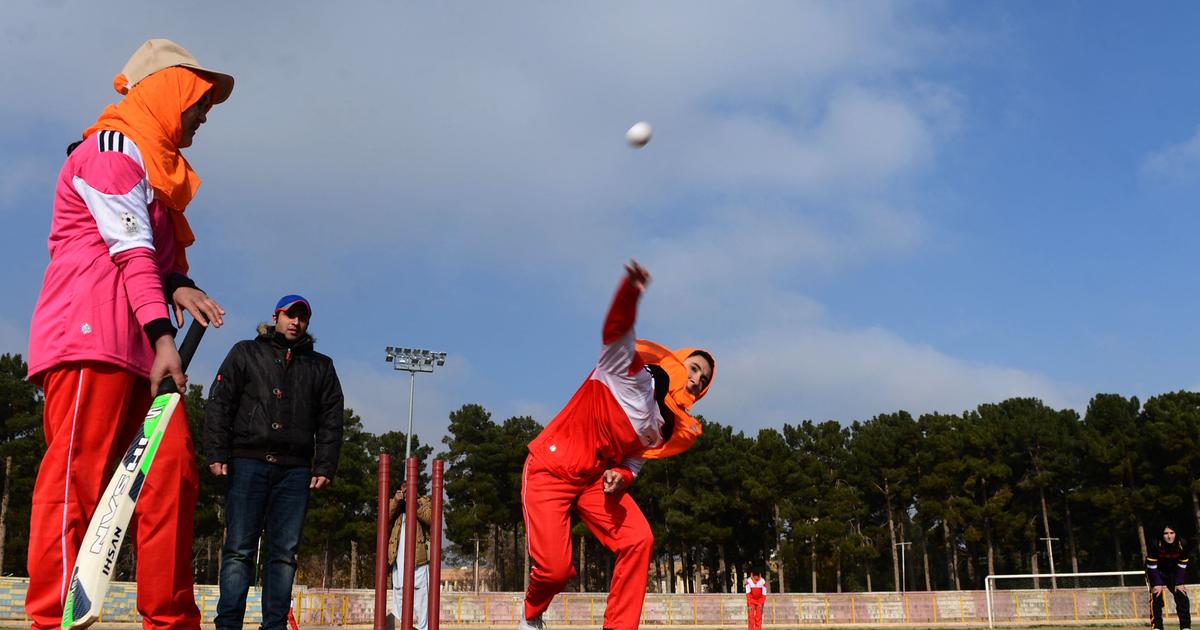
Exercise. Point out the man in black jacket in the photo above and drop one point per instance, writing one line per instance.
(274, 427)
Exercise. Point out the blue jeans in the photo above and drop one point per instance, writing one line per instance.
(268, 499)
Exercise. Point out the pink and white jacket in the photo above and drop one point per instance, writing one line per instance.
(112, 250)
(614, 416)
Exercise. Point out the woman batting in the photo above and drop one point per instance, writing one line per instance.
(101, 338)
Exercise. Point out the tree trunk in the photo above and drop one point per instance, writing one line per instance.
(951, 555)
(517, 560)
(991, 549)
(582, 565)
(724, 569)
(4, 509)
(1033, 564)
(1141, 530)
(869, 588)
(925, 553)
(501, 572)
(779, 550)
(887, 498)
(671, 586)
(1195, 502)
(476, 575)
(658, 583)
(838, 567)
(812, 556)
(1120, 556)
(1046, 528)
(525, 553)
(353, 564)
(971, 568)
(326, 567)
(1071, 543)
(688, 586)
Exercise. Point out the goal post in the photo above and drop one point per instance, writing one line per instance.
(1031, 582)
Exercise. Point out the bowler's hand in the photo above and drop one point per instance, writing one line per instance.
(638, 276)
(318, 482)
(196, 302)
(614, 482)
(219, 469)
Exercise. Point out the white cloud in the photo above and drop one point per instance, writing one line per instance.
(1176, 164)
(789, 137)
(776, 375)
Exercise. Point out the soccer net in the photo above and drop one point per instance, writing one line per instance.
(1097, 596)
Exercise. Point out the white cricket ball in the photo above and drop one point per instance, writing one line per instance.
(638, 135)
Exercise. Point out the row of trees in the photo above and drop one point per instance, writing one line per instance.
(821, 506)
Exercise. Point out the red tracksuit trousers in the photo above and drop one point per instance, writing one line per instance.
(616, 521)
(92, 412)
(754, 612)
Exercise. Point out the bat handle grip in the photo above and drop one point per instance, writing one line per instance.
(186, 351)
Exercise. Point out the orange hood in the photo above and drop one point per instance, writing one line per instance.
(678, 400)
(151, 114)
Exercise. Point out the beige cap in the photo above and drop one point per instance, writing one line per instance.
(159, 54)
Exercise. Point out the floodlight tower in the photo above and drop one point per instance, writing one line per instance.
(413, 360)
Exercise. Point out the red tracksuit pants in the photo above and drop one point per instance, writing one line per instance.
(92, 412)
(754, 612)
(616, 521)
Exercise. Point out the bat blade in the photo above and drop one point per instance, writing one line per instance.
(97, 559)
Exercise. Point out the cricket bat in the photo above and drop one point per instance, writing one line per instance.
(97, 558)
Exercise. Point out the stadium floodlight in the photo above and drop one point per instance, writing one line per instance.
(413, 360)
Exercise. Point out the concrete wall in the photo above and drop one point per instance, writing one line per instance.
(334, 607)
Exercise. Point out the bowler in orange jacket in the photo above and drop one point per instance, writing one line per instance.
(632, 407)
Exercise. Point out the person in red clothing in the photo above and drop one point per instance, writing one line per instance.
(633, 406)
(756, 596)
(101, 337)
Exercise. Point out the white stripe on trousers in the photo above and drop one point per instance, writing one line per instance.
(62, 588)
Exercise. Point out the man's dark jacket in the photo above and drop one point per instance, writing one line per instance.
(278, 403)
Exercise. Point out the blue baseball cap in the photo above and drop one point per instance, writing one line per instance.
(288, 301)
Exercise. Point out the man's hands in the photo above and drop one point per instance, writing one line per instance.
(1159, 589)
(638, 276)
(196, 302)
(167, 364)
(614, 481)
(1179, 588)
(316, 483)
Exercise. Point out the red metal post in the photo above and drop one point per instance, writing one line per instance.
(435, 549)
(382, 530)
(410, 542)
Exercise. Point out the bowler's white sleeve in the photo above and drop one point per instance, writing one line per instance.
(634, 464)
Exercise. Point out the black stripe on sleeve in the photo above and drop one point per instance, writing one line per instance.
(120, 141)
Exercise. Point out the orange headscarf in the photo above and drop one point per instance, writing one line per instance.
(678, 399)
(151, 114)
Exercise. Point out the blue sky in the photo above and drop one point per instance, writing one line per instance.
(858, 207)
